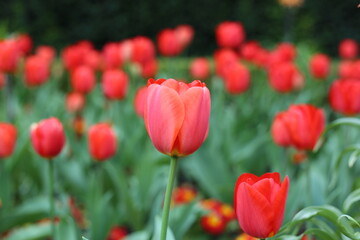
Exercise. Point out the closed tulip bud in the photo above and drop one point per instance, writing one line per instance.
(10, 55)
(25, 43)
(230, 34)
(37, 71)
(75, 102)
(149, 68)
(213, 224)
(8, 135)
(46, 52)
(259, 203)
(285, 77)
(168, 43)
(115, 84)
(143, 49)
(139, 101)
(237, 79)
(344, 96)
(102, 141)
(184, 34)
(302, 123)
(83, 79)
(200, 68)
(348, 49)
(320, 66)
(117, 233)
(177, 115)
(48, 137)
(112, 56)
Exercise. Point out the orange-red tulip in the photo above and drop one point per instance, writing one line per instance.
(348, 49)
(344, 96)
(230, 34)
(177, 115)
(168, 43)
(320, 66)
(8, 135)
(213, 224)
(102, 141)
(9, 55)
(139, 101)
(183, 195)
(37, 71)
(115, 84)
(237, 79)
(302, 123)
(285, 77)
(83, 79)
(75, 102)
(48, 137)
(260, 203)
(200, 68)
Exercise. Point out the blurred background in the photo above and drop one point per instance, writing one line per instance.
(320, 23)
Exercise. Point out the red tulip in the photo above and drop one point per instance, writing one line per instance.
(244, 236)
(117, 233)
(249, 50)
(93, 59)
(139, 101)
(177, 115)
(2, 80)
(112, 55)
(183, 195)
(143, 49)
(102, 141)
(25, 43)
(126, 47)
(320, 66)
(287, 51)
(285, 77)
(115, 84)
(344, 96)
(75, 102)
(74, 55)
(10, 55)
(213, 224)
(37, 70)
(345, 69)
(168, 43)
(348, 49)
(184, 34)
(237, 79)
(224, 58)
(260, 203)
(48, 137)
(83, 79)
(230, 34)
(8, 135)
(149, 68)
(303, 123)
(200, 68)
(46, 52)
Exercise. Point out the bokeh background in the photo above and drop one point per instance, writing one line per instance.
(320, 23)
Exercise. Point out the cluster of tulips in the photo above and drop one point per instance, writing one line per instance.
(176, 114)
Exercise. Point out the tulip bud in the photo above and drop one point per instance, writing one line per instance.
(83, 79)
(237, 78)
(344, 96)
(149, 68)
(75, 102)
(115, 84)
(112, 56)
(200, 68)
(143, 49)
(47, 137)
(177, 115)
(230, 34)
(285, 77)
(102, 141)
(117, 233)
(259, 203)
(320, 66)
(348, 49)
(25, 43)
(46, 52)
(184, 34)
(36, 70)
(168, 43)
(8, 139)
(9, 56)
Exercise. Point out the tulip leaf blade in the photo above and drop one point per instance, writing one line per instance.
(345, 224)
(351, 199)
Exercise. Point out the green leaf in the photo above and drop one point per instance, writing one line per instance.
(345, 223)
(31, 232)
(322, 234)
(157, 230)
(351, 199)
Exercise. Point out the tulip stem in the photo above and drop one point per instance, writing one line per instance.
(9, 101)
(168, 194)
(51, 197)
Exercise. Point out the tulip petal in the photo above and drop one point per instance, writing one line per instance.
(279, 204)
(254, 212)
(164, 115)
(196, 123)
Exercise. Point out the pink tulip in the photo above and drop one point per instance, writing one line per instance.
(177, 115)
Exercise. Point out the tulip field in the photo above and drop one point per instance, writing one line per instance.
(139, 140)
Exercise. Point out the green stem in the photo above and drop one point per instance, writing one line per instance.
(51, 197)
(169, 188)
(9, 98)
